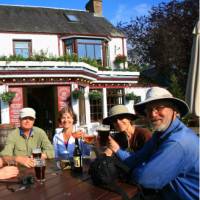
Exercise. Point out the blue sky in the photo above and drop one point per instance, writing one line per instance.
(113, 10)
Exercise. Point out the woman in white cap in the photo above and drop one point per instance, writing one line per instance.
(122, 120)
(169, 161)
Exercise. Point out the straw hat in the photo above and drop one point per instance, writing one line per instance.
(159, 94)
(118, 111)
(27, 112)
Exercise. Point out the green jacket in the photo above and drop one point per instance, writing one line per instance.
(18, 145)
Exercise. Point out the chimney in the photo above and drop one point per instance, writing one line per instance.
(94, 6)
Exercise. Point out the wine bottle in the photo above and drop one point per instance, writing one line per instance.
(77, 157)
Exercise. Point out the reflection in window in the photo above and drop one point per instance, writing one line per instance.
(86, 48)
(69, 46)
(90, 49)
(22, 48)
(96, 111)
(114, 97)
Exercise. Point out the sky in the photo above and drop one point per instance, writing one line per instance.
(114, 10)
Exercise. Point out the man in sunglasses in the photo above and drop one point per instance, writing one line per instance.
(23, 140)
(169, 161)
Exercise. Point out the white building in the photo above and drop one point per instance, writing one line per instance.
(28, 35)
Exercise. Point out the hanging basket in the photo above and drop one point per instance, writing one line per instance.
(7, 96)
(95, 95)
(76, 94)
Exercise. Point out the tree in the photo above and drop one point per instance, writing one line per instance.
(163, 39)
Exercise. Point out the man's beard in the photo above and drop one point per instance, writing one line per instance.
(160, 128)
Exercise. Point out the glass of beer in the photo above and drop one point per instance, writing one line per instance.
(40, 166)
(103, 133)
(89, 139)
(37, 153)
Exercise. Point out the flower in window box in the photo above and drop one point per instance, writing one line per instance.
(95, 95)
(120, 59)
(76, 93)
(7, 96)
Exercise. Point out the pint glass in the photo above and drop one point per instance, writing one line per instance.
(40, 167)
(103, 133)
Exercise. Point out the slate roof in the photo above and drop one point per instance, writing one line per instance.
(53, 21)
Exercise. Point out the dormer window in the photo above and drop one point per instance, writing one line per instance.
(72, 18)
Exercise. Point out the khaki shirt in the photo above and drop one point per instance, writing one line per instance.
(18, 145)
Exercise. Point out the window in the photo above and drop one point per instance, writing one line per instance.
(22, 48)
(85, 48)
(114, 97)
(90, 49)
(96, 111)
(71, 18)
(69, 47)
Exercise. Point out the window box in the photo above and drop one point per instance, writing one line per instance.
(120, 59)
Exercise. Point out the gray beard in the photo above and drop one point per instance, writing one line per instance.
(161, 128)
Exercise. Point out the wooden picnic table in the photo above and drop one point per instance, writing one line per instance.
(61, 185)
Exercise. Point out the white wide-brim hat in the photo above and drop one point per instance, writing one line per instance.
(27, 112)
(159, 94)
(118, 111)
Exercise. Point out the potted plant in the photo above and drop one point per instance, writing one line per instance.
(120, 59)
(76, 93)
(132, 96)
(7, 96)
(95, 95)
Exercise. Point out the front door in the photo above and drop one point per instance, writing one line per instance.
(42, 99)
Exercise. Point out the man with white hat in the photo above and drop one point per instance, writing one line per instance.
(169, 162)
(21, 141)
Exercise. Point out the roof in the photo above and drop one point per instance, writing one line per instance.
(53, 21)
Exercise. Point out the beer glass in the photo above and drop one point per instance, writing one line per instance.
(103, 133)
(40, 166)
(37, 153)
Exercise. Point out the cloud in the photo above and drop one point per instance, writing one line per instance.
(125, 13)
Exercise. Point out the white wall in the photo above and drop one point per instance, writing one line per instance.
(47, 43)
(138, 91)
(116, 48)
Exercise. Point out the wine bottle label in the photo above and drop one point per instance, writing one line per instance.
(77, 161)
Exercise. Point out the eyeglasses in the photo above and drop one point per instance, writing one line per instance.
(155, 108)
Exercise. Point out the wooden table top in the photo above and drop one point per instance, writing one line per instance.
(61, 185)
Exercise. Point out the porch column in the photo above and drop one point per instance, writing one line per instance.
(75, 103)
(105, 103)
(87, 105)
(5, 116)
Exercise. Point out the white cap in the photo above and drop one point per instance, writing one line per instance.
(27, 112)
